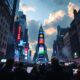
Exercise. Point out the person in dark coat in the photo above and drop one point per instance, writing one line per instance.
(21, 73)
(35, 73)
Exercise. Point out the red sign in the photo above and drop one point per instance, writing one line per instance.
(41, 41)
(19, 33)
(26, 50)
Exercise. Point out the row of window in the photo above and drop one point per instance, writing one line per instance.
(3, 31)
(3, 21)
(3, 44)
(4, 13)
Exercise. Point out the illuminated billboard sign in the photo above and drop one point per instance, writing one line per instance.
(19, 33)
(41, 41)
(16, 57)
(41, 32)
(41, 36)
(41, 50)
(26, 50)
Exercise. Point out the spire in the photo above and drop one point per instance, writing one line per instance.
(41, 28)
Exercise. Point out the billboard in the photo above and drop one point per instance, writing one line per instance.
(25, 51)
(16, 56)
(41, 41)
(41, 35)
(19, 33)
(41, 50)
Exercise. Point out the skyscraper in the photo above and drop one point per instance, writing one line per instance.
(21, 35)
(21, 18)
(7, 13)
(41, 50)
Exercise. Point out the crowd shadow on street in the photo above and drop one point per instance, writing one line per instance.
(54, 71)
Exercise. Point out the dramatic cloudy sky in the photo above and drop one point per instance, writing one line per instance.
(49, 13)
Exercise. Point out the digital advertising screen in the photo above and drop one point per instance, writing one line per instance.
(19, 33)
(41, 41)
(41, 50)
(41, 35)
(16, 57)
(25, 51)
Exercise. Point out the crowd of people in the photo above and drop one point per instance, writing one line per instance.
(53, 71)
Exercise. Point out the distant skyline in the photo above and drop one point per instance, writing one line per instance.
(49, 13)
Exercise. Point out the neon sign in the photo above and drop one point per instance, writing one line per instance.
(19, 33)
(41, 41)
(41, 50)
(26, 50)
(41, 35)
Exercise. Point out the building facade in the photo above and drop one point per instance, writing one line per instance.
(12, 7)
(74, 35)
(70, 41)
(21, 36)
(59, 43)
(21, 18)
(67, 45)
(5, 24)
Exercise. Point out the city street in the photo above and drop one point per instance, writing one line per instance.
(39, 39)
